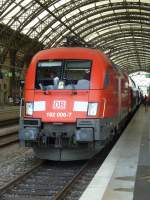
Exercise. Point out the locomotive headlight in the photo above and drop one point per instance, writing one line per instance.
(29, 108)
(92, 109)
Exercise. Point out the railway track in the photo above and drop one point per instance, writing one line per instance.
(74, 189)
(41, 183)
(53, 180)
(8, 122)
(8, 132)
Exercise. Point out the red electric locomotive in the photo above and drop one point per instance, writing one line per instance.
(75, 99)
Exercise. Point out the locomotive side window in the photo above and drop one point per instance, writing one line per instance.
(63, 74)
(106, 81)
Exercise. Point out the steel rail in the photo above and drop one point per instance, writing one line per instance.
(9, 132)
(4, 123)
(96, 159)
(8, 139)
(67, 188)
(19, 178)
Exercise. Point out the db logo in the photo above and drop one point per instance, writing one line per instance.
(59, 105)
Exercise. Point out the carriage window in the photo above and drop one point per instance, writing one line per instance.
(63, 74)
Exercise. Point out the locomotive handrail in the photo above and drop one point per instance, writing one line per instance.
(105, 101)
(20, 108)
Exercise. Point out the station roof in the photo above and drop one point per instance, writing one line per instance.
(119, 27)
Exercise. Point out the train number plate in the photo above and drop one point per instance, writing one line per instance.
(59, 114)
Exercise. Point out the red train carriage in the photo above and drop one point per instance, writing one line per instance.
(75, 99)
(134, 95)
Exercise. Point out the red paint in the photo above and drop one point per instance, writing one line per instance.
(113, 99)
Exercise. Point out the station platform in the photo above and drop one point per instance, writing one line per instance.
(125, 173)
(9, 112)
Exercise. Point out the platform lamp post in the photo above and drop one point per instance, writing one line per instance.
(1, 74)
(1, 79)
(148, 90)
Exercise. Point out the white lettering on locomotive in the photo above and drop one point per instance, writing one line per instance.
(59, 104)
(59, 114)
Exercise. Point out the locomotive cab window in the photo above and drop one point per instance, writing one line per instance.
(63, 74)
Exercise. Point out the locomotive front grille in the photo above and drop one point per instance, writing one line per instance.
(32, 122)
(85, 122)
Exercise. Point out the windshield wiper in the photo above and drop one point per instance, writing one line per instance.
(74, 91)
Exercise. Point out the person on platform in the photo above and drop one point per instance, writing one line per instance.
(146, 103)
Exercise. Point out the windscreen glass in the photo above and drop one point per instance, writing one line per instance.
(63, 74)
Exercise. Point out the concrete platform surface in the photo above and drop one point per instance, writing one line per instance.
(125, 174)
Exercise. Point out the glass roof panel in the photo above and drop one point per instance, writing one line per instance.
(87, 7)
(80, 23)
(51, 8)
(110, 23)
(45, 33)
(110, 12)
(72, 13)
(24, 3)
(30, 25)
(102, 2)
(94, 17)
(43, 14)
(8, 10)
(55, 25)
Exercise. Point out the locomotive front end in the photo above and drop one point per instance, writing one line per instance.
(61, 113)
